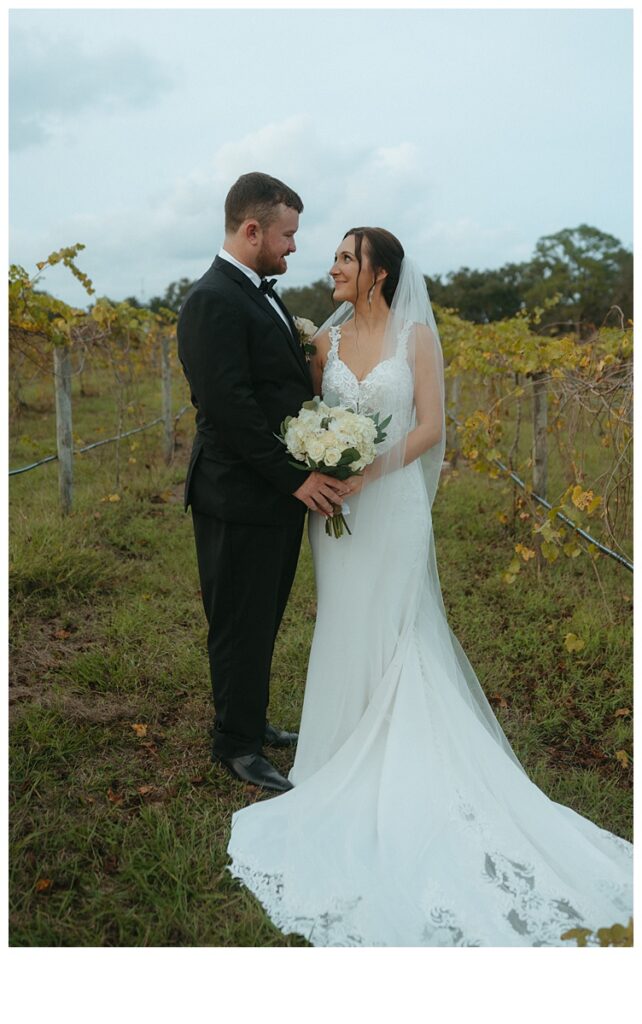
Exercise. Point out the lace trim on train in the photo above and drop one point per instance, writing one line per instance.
(537, 913)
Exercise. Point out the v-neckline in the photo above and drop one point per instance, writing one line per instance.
(359, 380)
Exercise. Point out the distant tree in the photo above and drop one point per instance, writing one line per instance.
(481, 295)
(313, 301)
(173, 297)
(589, 268)
(131, 300)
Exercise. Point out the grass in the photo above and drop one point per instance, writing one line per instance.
(119, 835)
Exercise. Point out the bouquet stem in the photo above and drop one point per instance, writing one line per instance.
(335, 525)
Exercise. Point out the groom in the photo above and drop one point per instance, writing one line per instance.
(247, 371)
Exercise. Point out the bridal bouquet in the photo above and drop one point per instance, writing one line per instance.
(333, 440)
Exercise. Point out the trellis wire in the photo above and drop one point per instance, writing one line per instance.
(509, 472)
(97, 444)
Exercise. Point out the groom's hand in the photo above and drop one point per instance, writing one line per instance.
(320, 492)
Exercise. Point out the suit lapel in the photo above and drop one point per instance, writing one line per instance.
(256, 296)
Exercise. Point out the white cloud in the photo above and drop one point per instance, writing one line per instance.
(54, 79)
(180, 228)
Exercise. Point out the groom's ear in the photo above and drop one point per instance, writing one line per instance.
(250, 231)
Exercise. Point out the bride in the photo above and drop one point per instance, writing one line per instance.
(411, 821)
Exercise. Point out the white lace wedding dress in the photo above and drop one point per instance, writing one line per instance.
(411, 822)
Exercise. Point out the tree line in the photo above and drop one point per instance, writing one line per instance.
(589, 270)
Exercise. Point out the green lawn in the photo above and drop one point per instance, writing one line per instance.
(119, 834)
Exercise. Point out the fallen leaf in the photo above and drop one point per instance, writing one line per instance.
(622, 712)
(145, 790)
(110, 864)
(43, 884)
(113, 797)
(62, 634)
(573, 642)
(197, 780)
(622, 757)
(139, 729)
(579, 934)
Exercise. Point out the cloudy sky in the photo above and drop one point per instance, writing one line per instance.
(469, 133)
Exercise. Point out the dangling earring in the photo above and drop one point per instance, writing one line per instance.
(371, 293)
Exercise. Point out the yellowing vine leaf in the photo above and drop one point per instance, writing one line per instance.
(526, 553)
(550, 551)
(572, 549)
(582, 499)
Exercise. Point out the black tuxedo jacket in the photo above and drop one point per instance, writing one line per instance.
(247, 371)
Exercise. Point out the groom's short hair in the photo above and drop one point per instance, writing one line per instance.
(257, 195)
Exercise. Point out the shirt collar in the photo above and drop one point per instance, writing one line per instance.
(252, 274)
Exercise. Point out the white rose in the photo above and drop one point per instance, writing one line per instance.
(316, 449)
(332, 456)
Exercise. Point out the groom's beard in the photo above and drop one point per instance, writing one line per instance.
(267, 263)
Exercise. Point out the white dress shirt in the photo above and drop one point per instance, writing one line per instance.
(255, 279)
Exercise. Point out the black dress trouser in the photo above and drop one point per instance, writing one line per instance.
(246, 574)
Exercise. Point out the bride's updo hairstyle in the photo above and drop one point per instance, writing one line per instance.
(384, 252)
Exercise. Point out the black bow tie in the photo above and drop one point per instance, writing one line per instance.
(267, 287)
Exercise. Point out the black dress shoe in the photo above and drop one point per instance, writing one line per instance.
(257, 770)
(279, 737)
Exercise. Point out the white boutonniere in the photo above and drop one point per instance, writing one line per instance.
(306, 331)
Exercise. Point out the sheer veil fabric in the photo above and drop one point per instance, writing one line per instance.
(412, 821)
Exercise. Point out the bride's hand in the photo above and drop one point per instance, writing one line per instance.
(354, 485)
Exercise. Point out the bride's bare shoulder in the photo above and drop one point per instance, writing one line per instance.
(322, 344)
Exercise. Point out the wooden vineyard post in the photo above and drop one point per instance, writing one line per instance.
(168, 423)
(540, 449)
(540, 435)
(455, 383)
(64, 437)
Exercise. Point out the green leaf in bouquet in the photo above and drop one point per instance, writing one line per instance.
(283, 428)
(298, 465)
(341, 472)
(348, 456)
(313, 404)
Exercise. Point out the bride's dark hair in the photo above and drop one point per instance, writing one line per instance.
(384, 251)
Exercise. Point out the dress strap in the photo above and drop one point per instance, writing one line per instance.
(335, 336)
(402, 340)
